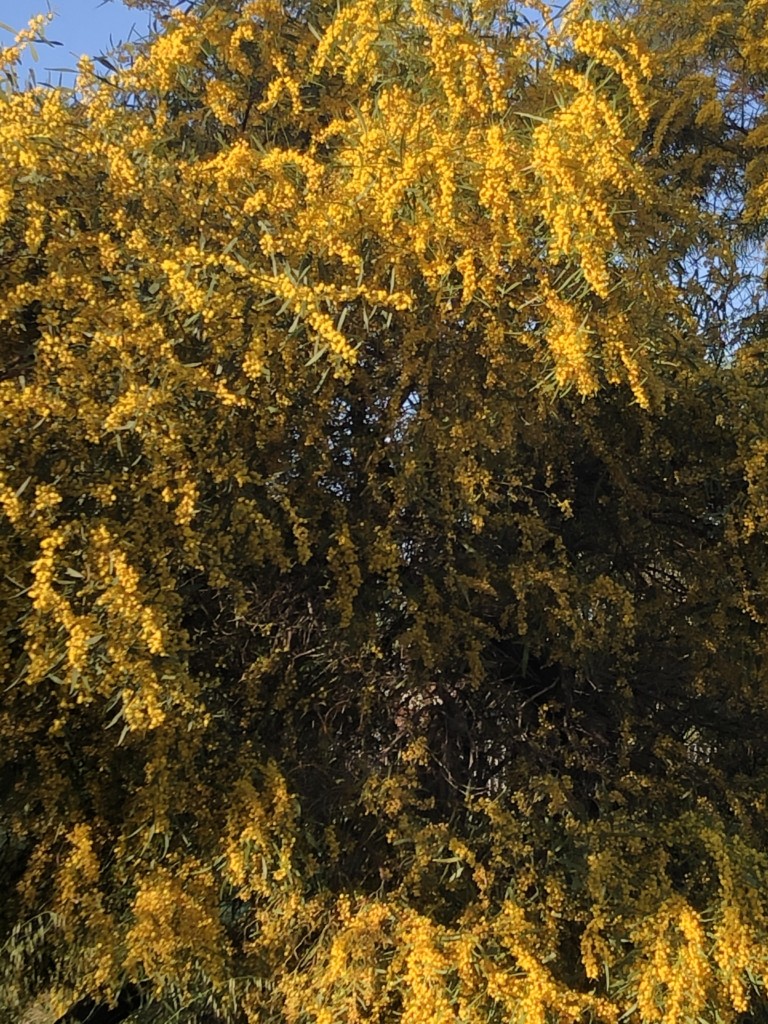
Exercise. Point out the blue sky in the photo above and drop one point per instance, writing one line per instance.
(82, 26)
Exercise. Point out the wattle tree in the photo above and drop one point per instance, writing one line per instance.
(383, 514)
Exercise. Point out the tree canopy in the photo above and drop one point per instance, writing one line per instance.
(383, 512)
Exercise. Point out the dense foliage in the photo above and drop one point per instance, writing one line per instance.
(384, 497)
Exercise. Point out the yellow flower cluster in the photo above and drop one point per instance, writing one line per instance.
(343, 563)
(571, 346)
(260, 836)
(82, 866)
(424, 998)
(171, 50)
(348, 43)
(10, 56)
(615, 47)
(174, 915)
(581, 157)
(676, 983)
(466, 71)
